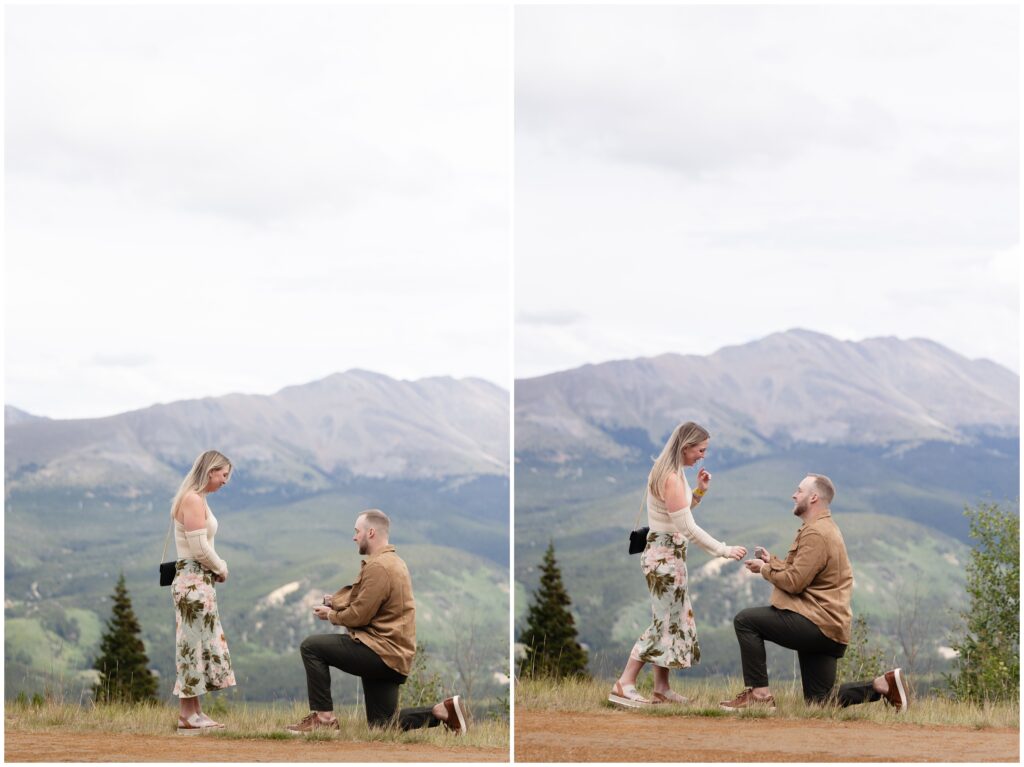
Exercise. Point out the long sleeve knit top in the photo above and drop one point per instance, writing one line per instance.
(661, 520)
(198, 544)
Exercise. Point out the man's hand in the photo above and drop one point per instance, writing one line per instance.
(322, 612)
(328, 599)
(762, 553)
(754, 565)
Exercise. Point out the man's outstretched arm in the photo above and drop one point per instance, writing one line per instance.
(810, 559)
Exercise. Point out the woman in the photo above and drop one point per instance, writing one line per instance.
(671, 639)
(201, 652)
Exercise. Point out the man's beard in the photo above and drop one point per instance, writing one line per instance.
(800, 508)
(363, 550)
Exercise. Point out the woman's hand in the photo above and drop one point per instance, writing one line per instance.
(735, 552)
(703, 479)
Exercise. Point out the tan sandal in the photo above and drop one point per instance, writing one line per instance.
(191, 725)
(210, 723)
(627, 696)
(669, 697)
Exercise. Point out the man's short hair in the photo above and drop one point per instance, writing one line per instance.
(824, 488)
(378, 520)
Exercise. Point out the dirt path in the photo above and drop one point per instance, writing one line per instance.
(48, 746)
(551, 736)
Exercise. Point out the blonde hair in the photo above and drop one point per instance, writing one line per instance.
(197, 479)
(671, 459)
(823, 487)
(378, 520)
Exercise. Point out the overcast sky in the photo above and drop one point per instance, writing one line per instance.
(694, 177)
(204, 200)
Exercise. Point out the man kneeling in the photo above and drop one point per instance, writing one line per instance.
(810, 612)
(379, 612)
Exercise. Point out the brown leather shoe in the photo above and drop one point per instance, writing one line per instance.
(456, 721)
(311, 723)
(897, 695)
(746, 699)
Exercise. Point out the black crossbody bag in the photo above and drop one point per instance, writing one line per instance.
(638, 536)
(167, 568)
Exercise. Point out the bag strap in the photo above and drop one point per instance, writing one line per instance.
(166, 539)
(643, 500)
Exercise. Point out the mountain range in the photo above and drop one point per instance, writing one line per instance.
(303, 438)
(792, 387)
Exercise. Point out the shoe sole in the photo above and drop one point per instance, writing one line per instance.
(735, 709)
(670, 702)
(618, 700)
(898, 675)
(194, 730)
(301, 733)
(462, 719)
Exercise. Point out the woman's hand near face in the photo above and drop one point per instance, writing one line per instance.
(703, 479)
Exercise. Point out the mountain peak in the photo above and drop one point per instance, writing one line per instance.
(793, 386)
(13, 415)
(307, 437)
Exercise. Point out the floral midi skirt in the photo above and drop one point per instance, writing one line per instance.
(201, 653)
(671, 639)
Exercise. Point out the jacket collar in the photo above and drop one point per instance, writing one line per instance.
(826, 515)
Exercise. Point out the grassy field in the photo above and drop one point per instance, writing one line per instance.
(705, 694)
(242, 721)
(60, 572)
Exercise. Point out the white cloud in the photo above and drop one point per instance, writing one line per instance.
(689, 177)
(252, 196)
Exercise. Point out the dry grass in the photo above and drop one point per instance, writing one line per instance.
(242, 720)
(705, 694)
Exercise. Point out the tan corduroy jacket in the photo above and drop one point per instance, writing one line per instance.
(379, 611)
(815, 579)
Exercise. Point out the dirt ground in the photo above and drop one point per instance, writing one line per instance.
(551, 736)
(48, 746)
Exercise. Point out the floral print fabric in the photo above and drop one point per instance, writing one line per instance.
(201, 652)
(671, 639)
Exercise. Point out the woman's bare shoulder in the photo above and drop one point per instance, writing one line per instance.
(192, 505)
(672, 480)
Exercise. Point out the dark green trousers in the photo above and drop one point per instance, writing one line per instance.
(380, 682)
(817, 653)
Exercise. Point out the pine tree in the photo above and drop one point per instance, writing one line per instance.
(122, 663)
(552, 648)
